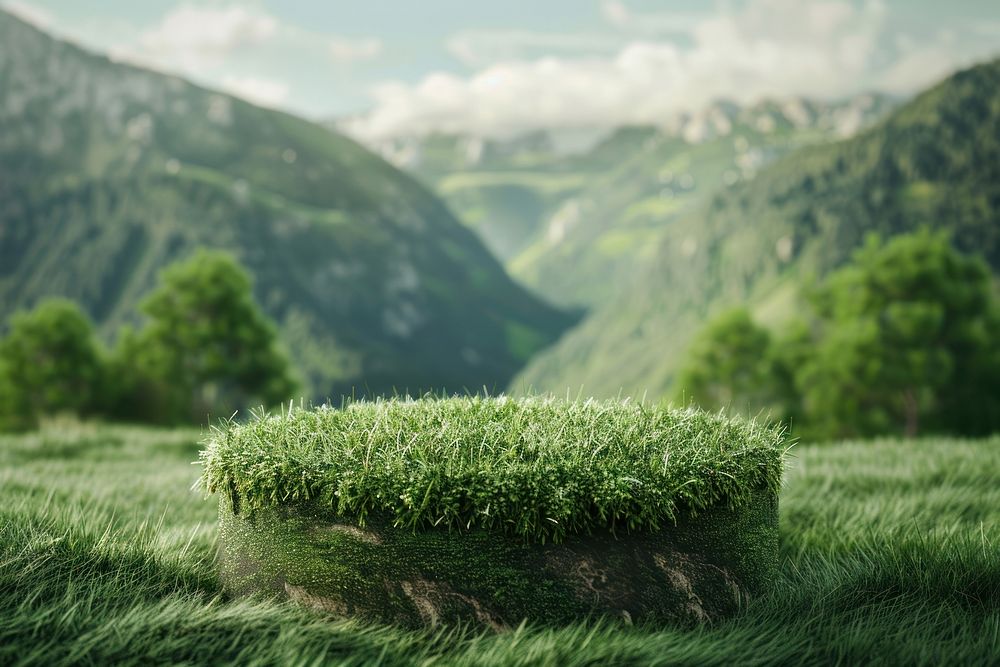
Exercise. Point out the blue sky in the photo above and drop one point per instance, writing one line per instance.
(411, 66)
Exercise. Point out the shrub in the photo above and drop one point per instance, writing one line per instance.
(49, 363)
(908, 343)
(903, 340)
(732, 366)
(206, 349)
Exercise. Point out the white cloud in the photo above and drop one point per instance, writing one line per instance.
(345, 50)
(265, 92)
(193, 38)
(33, 14)
(770, 47)
(616, 12)
(620, 16)
(987, 28)
(914, 69)
(240, 47)
(766, 48)
(477, 48)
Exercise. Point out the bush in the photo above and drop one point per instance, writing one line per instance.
(732, 366)
(903, 340)
(907, 343)
(49, 363)
(206, 349)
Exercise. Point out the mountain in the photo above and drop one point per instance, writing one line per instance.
(933, 163)
(504, 189)
(109, 172)
(568, 212)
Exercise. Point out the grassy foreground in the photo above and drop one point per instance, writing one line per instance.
(890, 554)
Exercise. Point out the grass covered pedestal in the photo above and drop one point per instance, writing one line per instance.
(499, 510)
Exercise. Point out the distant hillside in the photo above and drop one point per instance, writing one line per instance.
(504, 189)
(109, 172)
(934, 163)
(569, 218)
(590, 248)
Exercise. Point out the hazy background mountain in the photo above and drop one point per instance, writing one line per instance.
(934, 163)
(569, 212)
(108, 172)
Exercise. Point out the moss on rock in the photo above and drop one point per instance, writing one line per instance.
(699, 570)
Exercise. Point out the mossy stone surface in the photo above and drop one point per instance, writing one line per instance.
(698, 570)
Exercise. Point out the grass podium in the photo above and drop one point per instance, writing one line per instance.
(496, 510)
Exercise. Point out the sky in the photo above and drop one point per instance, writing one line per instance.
(405, 67)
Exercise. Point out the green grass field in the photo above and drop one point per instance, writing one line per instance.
(890, 554)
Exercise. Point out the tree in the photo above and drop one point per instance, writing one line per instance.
(207, 349)
(731, 365)
(137, 391)
(907, 343)
(49, 363)
(903, 340)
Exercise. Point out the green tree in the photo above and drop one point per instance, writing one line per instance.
(732, 365)
(136, 390)
(49, 363)
(907, 343)
(206, 350)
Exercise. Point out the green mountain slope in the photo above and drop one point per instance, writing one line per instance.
(590, 248)
(504, 189)
(569, 220)
(934, 163)
(108, 172)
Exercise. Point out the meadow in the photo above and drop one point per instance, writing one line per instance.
(889, 554)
